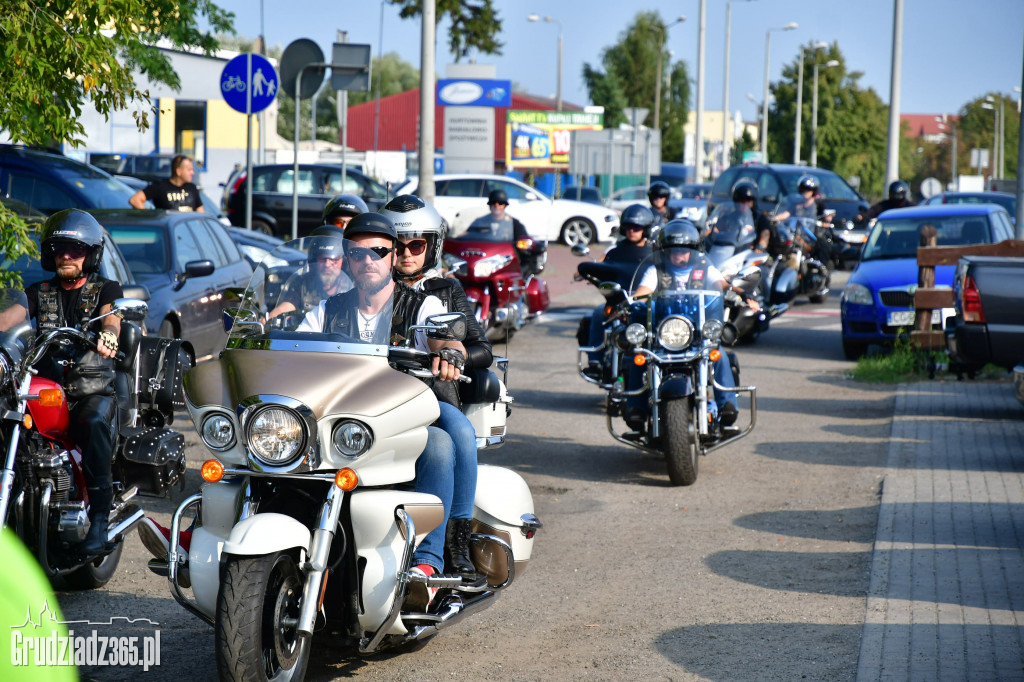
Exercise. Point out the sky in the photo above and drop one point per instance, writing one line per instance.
(953, 50)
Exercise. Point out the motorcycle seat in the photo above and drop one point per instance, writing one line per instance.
(485, 387)
(124, 374)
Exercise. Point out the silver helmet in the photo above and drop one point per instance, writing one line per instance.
(414, 217)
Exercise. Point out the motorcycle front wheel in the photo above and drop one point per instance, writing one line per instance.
(680, 441)
(257, 608)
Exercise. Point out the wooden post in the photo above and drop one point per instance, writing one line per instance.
(926, 279)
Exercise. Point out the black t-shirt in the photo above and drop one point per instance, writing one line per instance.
(69, 300)
(165, 194)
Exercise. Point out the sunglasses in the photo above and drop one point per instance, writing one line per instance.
(415, 247)
(498, 203)
(359, 253)
(633, 228)
(69, 250)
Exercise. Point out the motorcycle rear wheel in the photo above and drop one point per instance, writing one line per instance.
(96, 573)
(680, 442)
(257, 594)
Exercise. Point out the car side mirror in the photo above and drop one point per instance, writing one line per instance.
(194, 268)
(580, 250)
(530, 196)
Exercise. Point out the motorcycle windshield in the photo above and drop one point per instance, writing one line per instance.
(486, 229)
(684, 283)
(798, 207)
(731, 224)
(297, 315)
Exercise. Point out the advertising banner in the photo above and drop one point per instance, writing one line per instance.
(541, 139)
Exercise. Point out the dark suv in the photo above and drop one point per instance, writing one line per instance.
(775, 181)
(272, 188)
(49, 182)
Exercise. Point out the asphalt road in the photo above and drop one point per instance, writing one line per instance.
(758, 571)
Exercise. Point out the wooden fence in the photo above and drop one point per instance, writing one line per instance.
(927, 297)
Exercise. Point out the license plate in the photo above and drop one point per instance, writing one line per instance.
(901, 318)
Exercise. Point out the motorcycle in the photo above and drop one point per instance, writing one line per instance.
(43, 495)
(808, 242)
(507, 292)
(730, 237)
(657, 372)
(307, 522)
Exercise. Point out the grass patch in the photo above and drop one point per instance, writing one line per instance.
(906, 363)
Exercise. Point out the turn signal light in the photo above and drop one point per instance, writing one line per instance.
(27, 422)
(50, 397)
(639, 360)
(607, 310)
(524, 244)
(346, 479)
(715, 355)
(212, 471)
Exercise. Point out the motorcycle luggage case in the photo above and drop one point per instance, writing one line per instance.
(162, 366)
(537, 298)
(785, 287)
(502, 498)
(154, 460)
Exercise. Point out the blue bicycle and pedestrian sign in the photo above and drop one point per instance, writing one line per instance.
(249, 83)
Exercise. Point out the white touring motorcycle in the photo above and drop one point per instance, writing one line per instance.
(307, 522)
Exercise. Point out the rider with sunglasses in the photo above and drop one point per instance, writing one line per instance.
(506, 228)
(421, 232)
(323, 277)
(343, 208)
(71, 247)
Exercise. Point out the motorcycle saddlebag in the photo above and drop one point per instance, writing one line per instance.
(785, 287)
(162, 367)
(154, 460)
(537, 298)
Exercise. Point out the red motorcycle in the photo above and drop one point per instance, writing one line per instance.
(501, 278)
(43, 496)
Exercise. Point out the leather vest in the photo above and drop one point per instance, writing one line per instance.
(49, 309)
(340, 313)
(698, 278)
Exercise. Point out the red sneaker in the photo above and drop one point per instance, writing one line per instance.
(157, 539)
(420, 595)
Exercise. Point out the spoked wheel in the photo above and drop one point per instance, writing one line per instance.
(680, 439)
(578, 231)
(257, 616)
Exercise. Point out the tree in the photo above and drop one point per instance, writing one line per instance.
(629, 79)
(475, 25)
(976, 129)
(59, 55)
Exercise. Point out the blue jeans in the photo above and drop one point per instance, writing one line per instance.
(435, 471)
(457, 426)
(596, 334)
(723, 375)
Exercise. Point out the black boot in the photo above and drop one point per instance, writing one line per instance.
(457, 541)
(95, 541)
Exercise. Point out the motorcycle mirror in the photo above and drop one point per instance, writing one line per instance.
(130, 309)
(580, 250)
(456, 266)
(747, 278)
(828, 212)
(446, 327)
(246, 320)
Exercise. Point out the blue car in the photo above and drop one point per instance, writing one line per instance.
(878, 302)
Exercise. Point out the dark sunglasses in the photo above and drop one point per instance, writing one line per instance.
(358, 253)
(498, 203)
(633, 228)
(69, 250)
(415, 247)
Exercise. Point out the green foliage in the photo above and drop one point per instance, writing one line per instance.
(475, 25)
(629, 79)
(14, 243)
(58, 55)
(744, 144)
(392, 74)
(903, 363)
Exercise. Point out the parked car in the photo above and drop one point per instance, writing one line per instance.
(256, 247)
(878, 301)
(590, 195)
(690, 201)
(462, 198)
(188, 262)
(47, 182)
(272, 188)
(627, 196)
(989, 324)
(1004, 199)
(146, 167)
(775, 181)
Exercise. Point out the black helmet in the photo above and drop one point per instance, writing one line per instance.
(637, 214)
(744, 190)
(413, 217)
(898, 191)
(497, 196)
(678, 233)
(347, 205)
(808, 182)
(371, 223)
(659, 189)
(76, 226)
(326, 241)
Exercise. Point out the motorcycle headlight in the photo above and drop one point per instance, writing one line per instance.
(217, 432)
(675, 333)
(352, 438)
(858, 294)
(852, 237)
(276, 436)
(636, 333)
(712, 330)
(485, 267)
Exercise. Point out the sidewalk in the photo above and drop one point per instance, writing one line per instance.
(946, 600)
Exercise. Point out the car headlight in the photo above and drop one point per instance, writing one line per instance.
(712, 330)
(217, 432)
(636, 333)
(675, 333)
(485, 267)
(351, 438)
(276, 435)
(858, 294)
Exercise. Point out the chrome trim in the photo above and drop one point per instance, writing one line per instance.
(250, 343)
(319, 549)
(688, 323)
(126, 524)
(369, 434)
(370, 645)
(752, 390)
(279, 474)
(44, 524)
(308, 457)
(489, 442)
(234, 434)
(174, 559)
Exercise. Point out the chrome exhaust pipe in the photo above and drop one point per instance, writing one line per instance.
(126, 525)
(455, 612)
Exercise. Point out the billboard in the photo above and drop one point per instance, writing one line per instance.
(541, 139)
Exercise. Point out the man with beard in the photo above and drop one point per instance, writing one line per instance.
(371, 240)
(72, 246)
(323, 278)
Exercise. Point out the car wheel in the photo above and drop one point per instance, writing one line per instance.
(578, 231)
(260, 226)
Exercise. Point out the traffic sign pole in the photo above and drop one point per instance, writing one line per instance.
(248, 144)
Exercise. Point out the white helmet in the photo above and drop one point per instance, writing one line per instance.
(414, 217)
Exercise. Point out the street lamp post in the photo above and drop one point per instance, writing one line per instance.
(989, 103)
(727, 133)
(797, 132)
(814, 112)
(698, 136)
(657, 84)
(951, 131)
(764, 104)
(558, 91)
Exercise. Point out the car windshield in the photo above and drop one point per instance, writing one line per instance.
(144, 247)
(1009, 203)
(900, 237)
(104, 192)
(832, 186)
